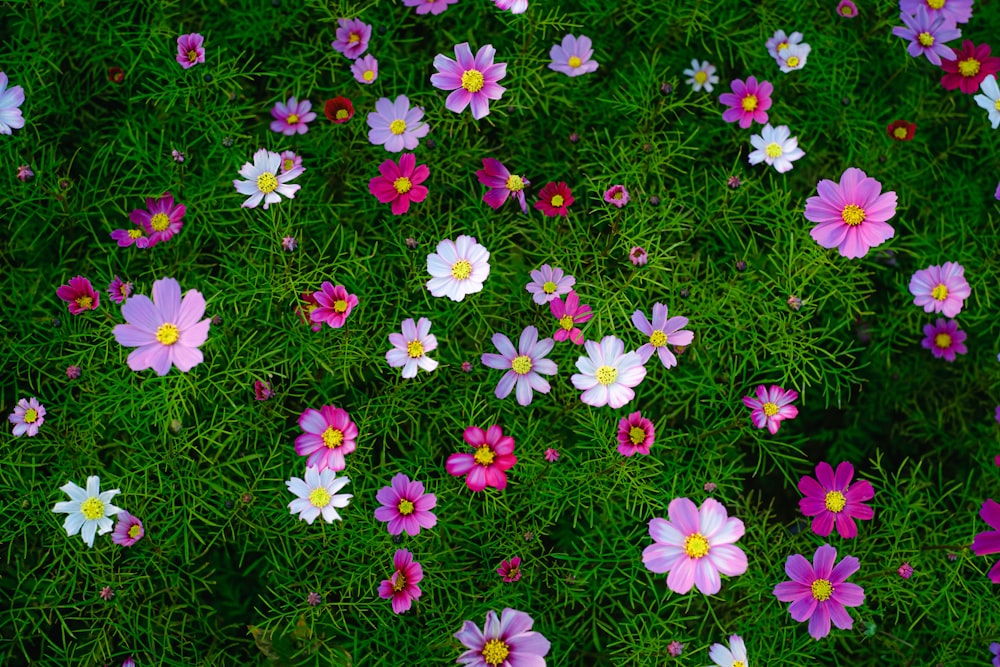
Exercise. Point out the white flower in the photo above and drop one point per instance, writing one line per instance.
(317, 494)
(736, 654)
(88, 510)
(410, 348)
(793, 57)
(990, 99)
(608, 374)
(780, 41)
(263, 180)
(458, 268)
(775, 148)
(11, 98)
(702, 75)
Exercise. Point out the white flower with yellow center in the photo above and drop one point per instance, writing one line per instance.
(264, 182)
(775, 147)
(794, 57)
(989, 99)
(88, 509)
(317, 494)
(701, 76)
(458, 268)
(608, 373)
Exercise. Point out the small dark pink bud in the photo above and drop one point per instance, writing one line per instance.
(73, 372)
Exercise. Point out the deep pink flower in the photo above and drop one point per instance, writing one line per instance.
(749, 102)
(524, 365)
(73, 372)
(400, 184)
(494, 454)
(365, 69)
(304, 310)
(28, 415)
(988, 542)
(402, 586)
(405, 506)
(852, 214)
(555, 199)
(473, 79)
(819, 591)
(329, 435)
(905, 571)
(831, 500)
(190, 50)
(847, 9)
(262, 390)
(429, 6)
(661, 332)
(502, 184)
(552, 455)
(570, 314)
(771, 406)
(128, 530)
(80, 295)
(940, 289)
(635, 435)
(106, 593)
(161, 221)
(119, 290)
(352, 37)
(971, 65)
(549, 283)
(335, 304)
(944, 339)
(126, 237)
(292, 117)
(507, 641)
(510, 570)
(616, 195)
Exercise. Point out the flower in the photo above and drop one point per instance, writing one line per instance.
(940, 289)
(734, 656)
(617, 195)
(819, 591)
(852, 214)
(466, 366)
(329, 435)
(675, 648)
(970, 66)
(365, 69)
(432, 6)
(638, 256)
(771, 406)
(953, 11)
(339, 109)
(572, 57)
(473, 80)
(927, 34)
(190, 50)
(264, 182)
(161, 221)
(24, 173)
(494, 454)
(106, 593)
(510, 570)
(304, 310)
(695, 546)
(944, 339)
(28, 415)
(165, 331)
(989, 99)
(569, 315)
(551, 455)
(774, 146)
(352, 37)
(780, 41)
(80, 295)
(635, 435)
(126, 237)
(513, 6)
(525, 365)
(847, 9)
(905, 571)
(262, 390)
(405, 506)
(400, 184)
(119, 291)
(831, 500)
(549, 283)
(508, 641)
(702, 76)
(116, 75)
(177, 156)
(501, 184)
(402, 587)
(317, 494)
(458, 268)
(995, 650)
(410, 348)
(749, 102)
(128, 530)
(289, 243)
(88, 509)
(292, 117)
(11, 100)
(733, 182)
(128, 662)
(395, 125)
(794, 57)
(608, 373)
(313, 599)
(73, 372)
(661, 332)
(554, 199)
(335, 304)
(901, 130)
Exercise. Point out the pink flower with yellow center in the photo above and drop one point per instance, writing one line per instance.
(635, 435)
(819, 591)
(400, 184)
(569, 315)
(501, 184)
(190, 50)
(405, 506)
(944, 339)
(161, 221)
(507, 641)
(524, 365)
(292, 117)
(771, 406)
(335, 305)
(851, 215)
(971, 65)
(940, 289)
(410, 348)
(748, 102)
(402, 586)
(486, 467)
(79, 294)
(329, 435)
(832, 500)
(352, 37)
(473, 79)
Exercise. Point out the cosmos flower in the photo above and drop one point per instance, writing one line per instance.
(820, 591)
(794, 57)
(952, 11)
(24, 173)
(263, 181)
(28, 415)
(616, 195)
(305, 308)
(501, 184)
(988, 542)
(434, 7)
(510, 570)
(548, 283)
(162, 220)
(400, 184)
(486, 467)
(927, 34)
(365, 69)
(190, 50)
(638, 256)
(940, 289)
(317, 495)
(524, 365)
(473, 79)
(944, 339)
(847, 9)
(513, 6)
(608, 373)
(572, 57)
(339, 109)
(662, 332)
(570, 314)
(87, 509)
(507, 641)
(702, 76)
(901, 130)
(128, 530)
(79, 294)
(851, 215)
(289, 243)
(780, 41)
(771, 406)
(395, 126)
(11, 99)
(635, 435)
(552, 455)
(352, 37)
(458, 268)
(748, 102)
(410, 348)
(970, 66)
(329, 435)
(554, 199)
(831, 500)
(989, 100)
(262, 391)
(335, 305)
(402, 586)
(119, 290)
(776, 147)
(292, 117)
(734, 656)
(405, 506)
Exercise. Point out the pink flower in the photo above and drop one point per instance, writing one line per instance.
(552, 455)
(847, 9)
(24, 173)
(831, 500)
(126, 237)
(549, 283)
(572, 57)
(80, 295)
(905, 571)
(329, 435)
(851, 214)
(952, 11)
(616, 195)
(365, 69)
(352, 37)
(429, 6)
(190, 50)
(555, 199)
(335, 304)
(819, 591)
(262, 390)
(780, 41)
(513, 6)
(748, 102)
(675, 649)
(570, 314)
(637, 255)
(494, 454)
(771, 406)
(410, 348)
(635, 435)
(988, 542)
(940, 289)
(289, 243)
(510, 570)
(395, 126)
(28, 415)
(73, 372)
(402, 587)
(400, 184)
(525, 365)
(507, 641)
(473, 80)
(128, 530)
(106, 593)
(405, 506)
(501, 184)
(119, 290)
(944, 339)
(292, 117)
(695, 546)
(161, 221)
(11, 98)
(661, 332)
(305, 309)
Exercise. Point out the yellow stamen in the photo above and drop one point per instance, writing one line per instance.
(85, 302)
(835, 501)
(159, 222)
(557, 201)
(853, 215)
(192, 56)
(925, 39)
(402, 185)
(793, 61)
(636, 435)
(515, 183)
(288, 164)
(940, 292)
(900, 133)
(168, 334)
(696, 546)
(134, 531)
(968, 67)
(495, 652)
(521, 365)
(397, 126)
(399, 582)
(943, 341)
(319, 497)
(822, 589)
(461, 269)
(414, 350)
(700, 77)
(92, 508)
(473, 80)
(340, 306)
(935, 4)
(566, 322)
(773, 150)
(267, 183)
(606, 375)
(484, 455)
(658, 338)
(292, 119)
(30, 416)
(368, 75)
(333, 437)
(135, 233)
(549, 287)
(354, 38)
(406, 507)
(575, 62)
(770, 409)
(341, 114)
(749, 103)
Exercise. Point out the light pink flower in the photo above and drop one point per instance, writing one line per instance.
(329, 434)
(513, 6)
(852, 214)
(11, 119)
(128, 530)
(771, 406)
(190, 50)
(940, 289)
(507, 641)
(365, 69)
(549, 283)
(28, 415)
(608, 373)
(473, 79)
(661, 332)
(429, 6)
(616, 195)
(410, 348)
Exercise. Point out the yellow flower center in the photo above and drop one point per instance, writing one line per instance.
(940, 292)
(473, 80)
(844, 11)
(575, 62)
(853, 215)
(566, 322)
(835, 501)
(168, 334)
(192, 56)
(340, 306)
(354, 38)
(968, 67)
(521, 365)
(942, 340)
(402, 185)
(85, 302)
(900, 133)
(773, 150)
(925, 39)
(749, 103)
(134, 531)
(333, 437)
(159, 222)
(821, 589)
(996, 105)
(515, 183)
(319, 497)
(557, 201)
(368, 75)
(292, 119)
(695, 545)
(135, 233)
(484, 455)
(399, 583)
(935, 4)
(267, 183)
(739, 663)
(636, 435)
(606, 375)
(341, 114)
(792, 61)
(700, 77)
(495, 652)
(30, 416)
(461, 269)
(414, 350)
(288, 164)
(549, 287)
(770, 409)
(406, 507)
(782, 46)
(92, 508)
(658, 338)
(397, 126)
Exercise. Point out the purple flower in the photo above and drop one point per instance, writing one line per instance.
(944, 339)
(128, 530)
(572, 57)
(262, 390)
(119, 290)
(502, 184)
(819, 591)
(289, 243)
(473, 79)
(395, 125)
(314, 599)
(988, 542)
(927, 34)
(549, 283)
(525, 365)
(675, 648)
(73, 372)
(292, 117)
(352, 37)
(617, 195)
(831, 500)
(24, 173)
(190, 50)
(905, 571)
(995, 650)
(365, 69)
(429, 6)
(748, 102)
(661, 332)
(940, 289)
(11, 100)
(506, 641)
(177, 155)
(28, 415)
(953, 11)
(780, 41)
(638, 256)
(405, 506)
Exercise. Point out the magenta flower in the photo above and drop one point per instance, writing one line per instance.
(952, 11)
(429, 6)
(262, 391)
(335, 304)
(831, 500)
(988, 542)
(552, 455)
(11, 119)
(927, 34)
(507, 641)
(905, 570)
(572, 57)
(28, 415)
(549, 283)
(402, 587)
(847, 9)
(190, 50)
(513, 6)
(126, 237)
(352, 37)
(128, 530)
(400, 184)
(80, 295)
(940, 289)
(395, 126)
(502, 184)
(608, 373)
(410, 348)
(405, 506)
(73, 372)
(510, 570)
(525, 365)
(161, 221)
(365, 69)
(661, 332)
(494, 455)
(570, 314)
(616, 195)
(635, 435)
(329, 435)
(851, 214)
(24, 173)
(119, 290)
(771, 406)
(473, 80)
(695, 546)
(749, 102)
(944, 339)
(819, 591)
(638, 256)
(292, 117)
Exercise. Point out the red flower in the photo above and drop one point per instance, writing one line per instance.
(971, 65)
(554, 199)
(116, 74)
(901, 130)
(339, 109)
(400, 184)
